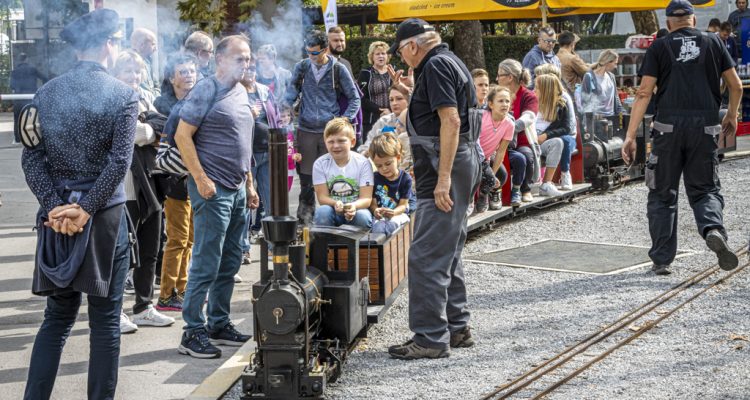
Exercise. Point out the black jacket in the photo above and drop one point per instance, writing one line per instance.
(370, 110)
(561, 126)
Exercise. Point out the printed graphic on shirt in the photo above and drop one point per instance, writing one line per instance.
(688, 50)
(344, 189)
(384, 200)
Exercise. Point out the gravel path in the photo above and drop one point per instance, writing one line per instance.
(521, 316)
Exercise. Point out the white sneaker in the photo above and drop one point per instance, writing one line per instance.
(549, 190)
(527, 197)
(151, 317)
(470, 210)
(126, 326)
(237, 278)
(566, 181)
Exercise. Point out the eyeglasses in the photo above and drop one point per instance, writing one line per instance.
(398, 51)
(550, 41)
(207, 52)
(187, 72)
(315, 53)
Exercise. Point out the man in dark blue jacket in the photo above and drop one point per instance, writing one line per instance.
(321, 82)
(23, 80)
(76, 170)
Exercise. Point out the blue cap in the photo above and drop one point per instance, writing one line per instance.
(92, 29)
(679, 8)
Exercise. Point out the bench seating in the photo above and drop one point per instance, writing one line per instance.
(382, 259)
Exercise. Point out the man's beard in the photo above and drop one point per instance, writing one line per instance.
(335, 52)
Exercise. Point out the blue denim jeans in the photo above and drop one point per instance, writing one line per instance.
(569, 144)
(262, 177)
(104, 339)
(219, 224)
(326, 216)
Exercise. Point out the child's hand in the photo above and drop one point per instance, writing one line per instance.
(339, 207)
(297, 157)
(350, 210)
(378, 214)
(388, 213)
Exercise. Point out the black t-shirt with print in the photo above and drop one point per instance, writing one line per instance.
(658, 63)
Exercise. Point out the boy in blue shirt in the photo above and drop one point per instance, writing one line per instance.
(393, 196)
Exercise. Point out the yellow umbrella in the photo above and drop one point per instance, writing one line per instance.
(441, 10)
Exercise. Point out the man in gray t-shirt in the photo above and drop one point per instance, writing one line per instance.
(215, 136)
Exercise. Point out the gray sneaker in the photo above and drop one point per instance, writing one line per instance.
(716, 242)
(660, 269)
(412, 351)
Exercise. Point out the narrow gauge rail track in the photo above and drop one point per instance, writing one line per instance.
(548, 376)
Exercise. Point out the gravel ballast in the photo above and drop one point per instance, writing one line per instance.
(521, 316)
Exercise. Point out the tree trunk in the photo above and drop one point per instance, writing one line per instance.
(467, 43)
(645, 22)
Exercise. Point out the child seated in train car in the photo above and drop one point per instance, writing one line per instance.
(343, 179)
(496, 135)
(293, 155)
(393, 197)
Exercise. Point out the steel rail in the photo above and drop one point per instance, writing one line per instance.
(569, 353)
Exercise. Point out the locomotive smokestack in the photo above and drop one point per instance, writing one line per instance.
(277, 152)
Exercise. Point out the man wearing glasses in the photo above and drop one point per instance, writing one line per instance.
(321, 85)
(438, 118)
(542, 53)
(200, 45)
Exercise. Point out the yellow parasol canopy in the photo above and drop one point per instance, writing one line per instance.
(448, 10)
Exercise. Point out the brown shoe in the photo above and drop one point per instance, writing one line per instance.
(462, 338)
(412, 351)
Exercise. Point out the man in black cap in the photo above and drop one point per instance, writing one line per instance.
(687, 66)
(446, 167)
(76, 168)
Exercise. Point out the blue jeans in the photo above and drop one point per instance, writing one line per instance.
(219, 224)
(569, 144)
(326, 216)
(262, 177)
(104, 339)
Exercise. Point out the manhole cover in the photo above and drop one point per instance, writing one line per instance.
(571, 256)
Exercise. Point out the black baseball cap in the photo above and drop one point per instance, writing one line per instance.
(92, 29)
(408, 29)
(679, 8)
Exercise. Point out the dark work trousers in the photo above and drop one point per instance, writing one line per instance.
(691, 152)
(529, 156)
(311, 146)
(148, 233)
(437, 292)
(104, 339)
(518, 166)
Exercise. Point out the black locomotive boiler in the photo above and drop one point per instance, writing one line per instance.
(307, 314)
(603, 138)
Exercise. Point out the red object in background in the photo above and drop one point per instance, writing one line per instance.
(98, 4)
(623, 95)
(743, 128)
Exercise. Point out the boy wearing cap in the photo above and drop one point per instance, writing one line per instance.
(438, 118)
(687, 66)
(76, 168)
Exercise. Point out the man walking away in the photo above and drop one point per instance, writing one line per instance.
(687, 66)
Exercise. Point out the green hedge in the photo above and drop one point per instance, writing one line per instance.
(496, 48)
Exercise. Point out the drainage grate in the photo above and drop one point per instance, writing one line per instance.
(571, 256)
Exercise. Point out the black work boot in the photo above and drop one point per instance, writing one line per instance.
(716, 242)
(462, 338)
(660, 269)
(412, 351)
